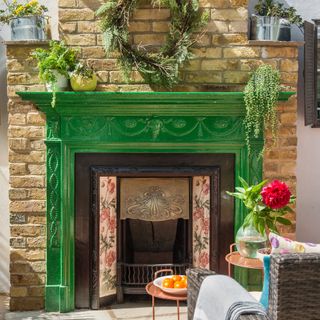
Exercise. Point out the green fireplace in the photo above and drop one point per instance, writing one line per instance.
(151, 122)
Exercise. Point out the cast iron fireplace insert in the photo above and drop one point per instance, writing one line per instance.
(90, 166)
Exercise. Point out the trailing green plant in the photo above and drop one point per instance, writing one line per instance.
(57, 58)
(19, 10)
(266, 204)
(159, 68)
(261, 96)
(83, 70)
(274, 9)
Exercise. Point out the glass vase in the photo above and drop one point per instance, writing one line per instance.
(249, 241)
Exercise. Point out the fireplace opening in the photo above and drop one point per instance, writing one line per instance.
(155, 242)
(165, 211)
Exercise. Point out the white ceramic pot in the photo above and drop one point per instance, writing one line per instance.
(62, 83)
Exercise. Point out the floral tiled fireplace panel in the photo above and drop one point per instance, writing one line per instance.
(148, 217)
(108, 229)
(157, 211)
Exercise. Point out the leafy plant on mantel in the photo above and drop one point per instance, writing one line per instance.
(261, 97)
(159, 68)
(57, 60)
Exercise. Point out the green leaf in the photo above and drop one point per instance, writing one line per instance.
(243, 182)
(284, 221)
(242, 190)
(287, 209)
(257, 188)
(236, 195)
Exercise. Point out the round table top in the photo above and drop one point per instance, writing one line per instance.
(152, 290)
(236, 259)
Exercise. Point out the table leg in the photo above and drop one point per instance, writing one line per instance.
(229, 269)
(178, 309)
(153, 309)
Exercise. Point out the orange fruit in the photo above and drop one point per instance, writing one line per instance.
(179, 285)
(185, 281)
(168, 283)
(176, 278)
(184, 278)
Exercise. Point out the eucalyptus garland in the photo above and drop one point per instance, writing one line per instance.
(160, 68)
(261, 96)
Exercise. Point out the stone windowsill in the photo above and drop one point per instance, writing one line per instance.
(268, 43)
(26, 43)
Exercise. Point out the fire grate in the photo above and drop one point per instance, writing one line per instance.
(134, 277)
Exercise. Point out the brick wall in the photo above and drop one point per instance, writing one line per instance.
(223, 61)
(27, 184)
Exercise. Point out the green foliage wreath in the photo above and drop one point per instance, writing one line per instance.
(159, 68)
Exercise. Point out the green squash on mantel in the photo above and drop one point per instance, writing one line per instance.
(80, 83)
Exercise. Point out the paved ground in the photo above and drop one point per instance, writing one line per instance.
(128, 311)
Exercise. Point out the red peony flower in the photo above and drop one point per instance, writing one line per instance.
(276, 195)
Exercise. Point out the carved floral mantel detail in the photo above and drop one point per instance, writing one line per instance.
(156, 128)
(201, 221)
(108, 229)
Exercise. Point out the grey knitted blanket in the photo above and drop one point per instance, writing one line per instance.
(222, 298)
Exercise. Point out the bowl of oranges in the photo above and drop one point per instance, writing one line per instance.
(174, 284)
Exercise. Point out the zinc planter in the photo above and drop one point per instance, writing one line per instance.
(265, 28)
(62, 83)
(28, 28)
(285, 30)
(80, 83)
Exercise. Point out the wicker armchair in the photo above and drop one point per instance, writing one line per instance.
(294, 288)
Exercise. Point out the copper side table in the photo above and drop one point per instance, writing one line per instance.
(156, 292)
(234, 258)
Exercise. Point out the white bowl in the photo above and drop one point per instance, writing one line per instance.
(178, 292)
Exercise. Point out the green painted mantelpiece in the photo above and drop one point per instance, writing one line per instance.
(160, 122)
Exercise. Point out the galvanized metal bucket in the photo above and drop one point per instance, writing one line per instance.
(285, 30)
(28, 28)
(265, 28)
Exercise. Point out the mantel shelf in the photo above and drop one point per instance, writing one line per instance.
(141, 103)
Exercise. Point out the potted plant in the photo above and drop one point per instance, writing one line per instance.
(261, 97)
(267, 205)
(54, 65)
(272, 21)
(27, 20)
(83, 78)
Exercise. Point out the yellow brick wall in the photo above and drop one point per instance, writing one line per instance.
(223, 61)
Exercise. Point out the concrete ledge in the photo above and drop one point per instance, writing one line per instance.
(268, 43)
